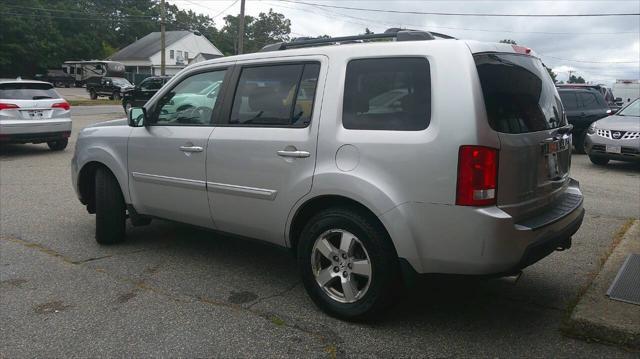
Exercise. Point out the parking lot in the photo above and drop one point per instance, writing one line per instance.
(174, 290)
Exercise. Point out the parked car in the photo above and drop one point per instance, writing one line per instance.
(467, 173)
(626, 91)
(616, 137)
(583, 107)
(112, 87)
(33, 112)
(137, 96)
(57, 77)
(605, 91)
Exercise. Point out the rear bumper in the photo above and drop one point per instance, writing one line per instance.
(25, 131)
(447, 239)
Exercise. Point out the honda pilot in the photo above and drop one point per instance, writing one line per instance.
(374, 161)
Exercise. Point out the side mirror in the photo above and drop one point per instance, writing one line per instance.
(137, 116)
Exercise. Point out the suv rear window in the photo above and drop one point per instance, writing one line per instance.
(27, 91)
(387, 94)
(519, 95)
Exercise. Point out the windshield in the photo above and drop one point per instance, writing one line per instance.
(631, 110)
(519, 95)
(27, 91)
(121, 81)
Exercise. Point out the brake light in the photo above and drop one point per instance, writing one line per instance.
(63, 105)
(477, 176)
(521, 49)
(7, 106)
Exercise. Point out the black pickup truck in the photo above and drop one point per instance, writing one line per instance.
(583, 107)
(112, 87)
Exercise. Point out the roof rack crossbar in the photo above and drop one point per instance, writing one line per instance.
(398, 34)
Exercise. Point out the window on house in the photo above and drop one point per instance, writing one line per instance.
(186, 55)
(171, 54)
(179, 54)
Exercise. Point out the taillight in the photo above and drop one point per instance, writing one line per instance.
(63, 105)
(7, 106)
(477, 176)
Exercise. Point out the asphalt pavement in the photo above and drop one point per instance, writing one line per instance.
(172, 290)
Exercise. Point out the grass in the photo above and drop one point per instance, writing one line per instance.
(94, 102)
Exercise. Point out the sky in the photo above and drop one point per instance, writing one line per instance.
(600, 49)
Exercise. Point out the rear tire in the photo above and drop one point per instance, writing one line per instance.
(369, 295)
(110, 209)
(116, 95)
(600, 161)
(578, 141)
(58, 145)
(93, 94)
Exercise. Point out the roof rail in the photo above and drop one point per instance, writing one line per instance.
(393, 33)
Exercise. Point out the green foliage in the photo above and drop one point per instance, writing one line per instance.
(508, 41)
(576, 80)
(552, 74)
(39, 34)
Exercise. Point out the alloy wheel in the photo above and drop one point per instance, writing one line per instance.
(341, 265)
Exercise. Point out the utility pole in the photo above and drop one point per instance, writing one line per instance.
(162, 42)
(241, 28)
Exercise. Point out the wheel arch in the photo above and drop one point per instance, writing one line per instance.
(314, 205)
(87, 181)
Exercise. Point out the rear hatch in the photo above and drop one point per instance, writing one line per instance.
(525, 110)
(31, 101)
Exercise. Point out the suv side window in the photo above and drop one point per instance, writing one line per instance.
(569, 100)
(387, 94)
(151, 84)
(589, 101)
(275, 95)
(191, 102)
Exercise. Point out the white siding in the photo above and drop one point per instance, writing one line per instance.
(193, 44)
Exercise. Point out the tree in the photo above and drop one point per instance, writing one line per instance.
(265, 29)
(552, 74)
(508, 41)
(575, 80)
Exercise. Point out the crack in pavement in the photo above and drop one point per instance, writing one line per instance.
(331, 341)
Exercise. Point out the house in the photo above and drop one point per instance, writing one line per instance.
(143, 56)
(202, 57)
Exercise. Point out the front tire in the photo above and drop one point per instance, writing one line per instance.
(600, 161)
(110, 209)
(348, 264)
(93, 95)
(116, 96)
(58, 145)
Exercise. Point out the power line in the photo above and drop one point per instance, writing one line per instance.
(225, 9)
(457, 14)
(74, 11)
(370, 22)
(75, 18)
(592, 62)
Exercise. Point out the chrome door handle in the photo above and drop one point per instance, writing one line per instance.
(294, 154)
(191, 149)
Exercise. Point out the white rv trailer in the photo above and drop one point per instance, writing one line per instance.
(83, 70)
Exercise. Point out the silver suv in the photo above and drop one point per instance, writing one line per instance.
(33, 112)
(372, 160)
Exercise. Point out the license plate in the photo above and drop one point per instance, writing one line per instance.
(34, 114)
(614, 149)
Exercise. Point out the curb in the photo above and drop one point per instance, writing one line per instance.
(597, 318)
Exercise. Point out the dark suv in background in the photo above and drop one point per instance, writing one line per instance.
(140, 94)
(583, 107)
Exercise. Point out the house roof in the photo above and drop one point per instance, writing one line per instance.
(147, 46)
(208, 56)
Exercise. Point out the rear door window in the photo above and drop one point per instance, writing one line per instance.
(569, 100)
(519, 95)
(275, 95)
(589, 101)
(387, 94)
(27, 91)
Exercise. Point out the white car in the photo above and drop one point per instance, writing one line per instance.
(33, 112)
